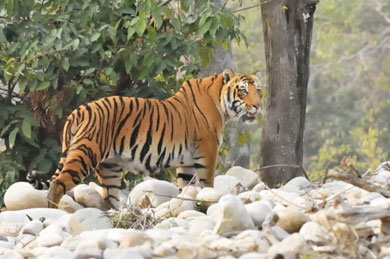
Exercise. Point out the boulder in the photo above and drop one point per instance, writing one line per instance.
(33, 227)
(290, 247)
(258, 211)
(314, 232)
(248, 177)
(200, 224)
(134, 237)
(208, 196)
(22, 195)
(290, 219)
(88, 219)
(190, 214)
(68, 204)
(176, 206)
(89, 197)
(152, 193)
(11, 222)
(249, 196)
(296, 184)
(233, 215)
(51, 236)
(227, 184)
(110, 253)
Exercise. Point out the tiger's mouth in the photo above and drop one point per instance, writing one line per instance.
(249, 117)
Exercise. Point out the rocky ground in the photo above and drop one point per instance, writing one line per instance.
(239, 218)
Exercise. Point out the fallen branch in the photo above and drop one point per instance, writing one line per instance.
(352, 179)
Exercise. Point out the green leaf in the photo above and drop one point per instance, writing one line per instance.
(44, 85)
(26, 129)
(2, 36)
(185, 4)
(206, 55)
(95, 36)
(10, 8)
(65, 64)
(89, 71)
(205, 27)
(130, 32)
(140, 27)
(12, 136)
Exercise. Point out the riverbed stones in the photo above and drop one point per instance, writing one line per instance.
(21, 195)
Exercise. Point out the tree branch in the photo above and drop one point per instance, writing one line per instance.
(352, 179)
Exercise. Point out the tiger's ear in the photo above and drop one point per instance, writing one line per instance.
(227, 75)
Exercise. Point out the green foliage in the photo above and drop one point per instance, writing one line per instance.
(56, 55)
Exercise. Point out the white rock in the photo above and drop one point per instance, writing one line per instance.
(233, 217)
(279, 232)
(290, 247)
(248, 177)
(190, 214)
(33, 227)
(23, 240)
(55, 252)
(68, 204)
(227, 184)
(53, 235)
(257, 237)
(314, 232)
(114, 234)
(159, 235)
(249, 196)
(88, 219)
(22, 195)
(6, 245)
(336, 186)
(110, 253)
(290, 219)
(87, 254)
(259, 187)
(200, 224)
(214, 211)
(296, 184)
(254, 255)
(371, 196)
(156, 191)
(172, 222)
(176, 206)
(10, 254)
(234, 246)
(134, 237)
(95, 243)
(209, 195)
(164, 250)
(258, 211)
(190, 190)
(11, 222)
(88, 197)
(279, 196)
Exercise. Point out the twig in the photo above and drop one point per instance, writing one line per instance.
(284, 165)
(266, 226)
(180, 198)
(252, 6)
(352, 179)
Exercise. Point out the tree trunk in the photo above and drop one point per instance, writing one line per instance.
(287, 26)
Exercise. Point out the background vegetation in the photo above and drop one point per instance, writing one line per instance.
(55, 55)
(349, 88)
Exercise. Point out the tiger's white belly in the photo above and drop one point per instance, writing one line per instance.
(137, 167)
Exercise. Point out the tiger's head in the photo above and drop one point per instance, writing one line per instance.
(241, 96)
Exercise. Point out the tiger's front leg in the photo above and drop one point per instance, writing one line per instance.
(205, 163)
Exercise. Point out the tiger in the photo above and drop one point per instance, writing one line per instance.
(145, 136)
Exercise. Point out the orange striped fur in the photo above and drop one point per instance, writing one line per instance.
(147, 135)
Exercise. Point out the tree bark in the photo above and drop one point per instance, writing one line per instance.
(287, 26)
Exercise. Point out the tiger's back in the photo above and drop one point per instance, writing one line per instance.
(145, 136)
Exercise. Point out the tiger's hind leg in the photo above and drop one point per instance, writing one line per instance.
(74, 166)
(185, 176)
(110, 177)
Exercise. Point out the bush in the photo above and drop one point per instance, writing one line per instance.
(56, 55)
